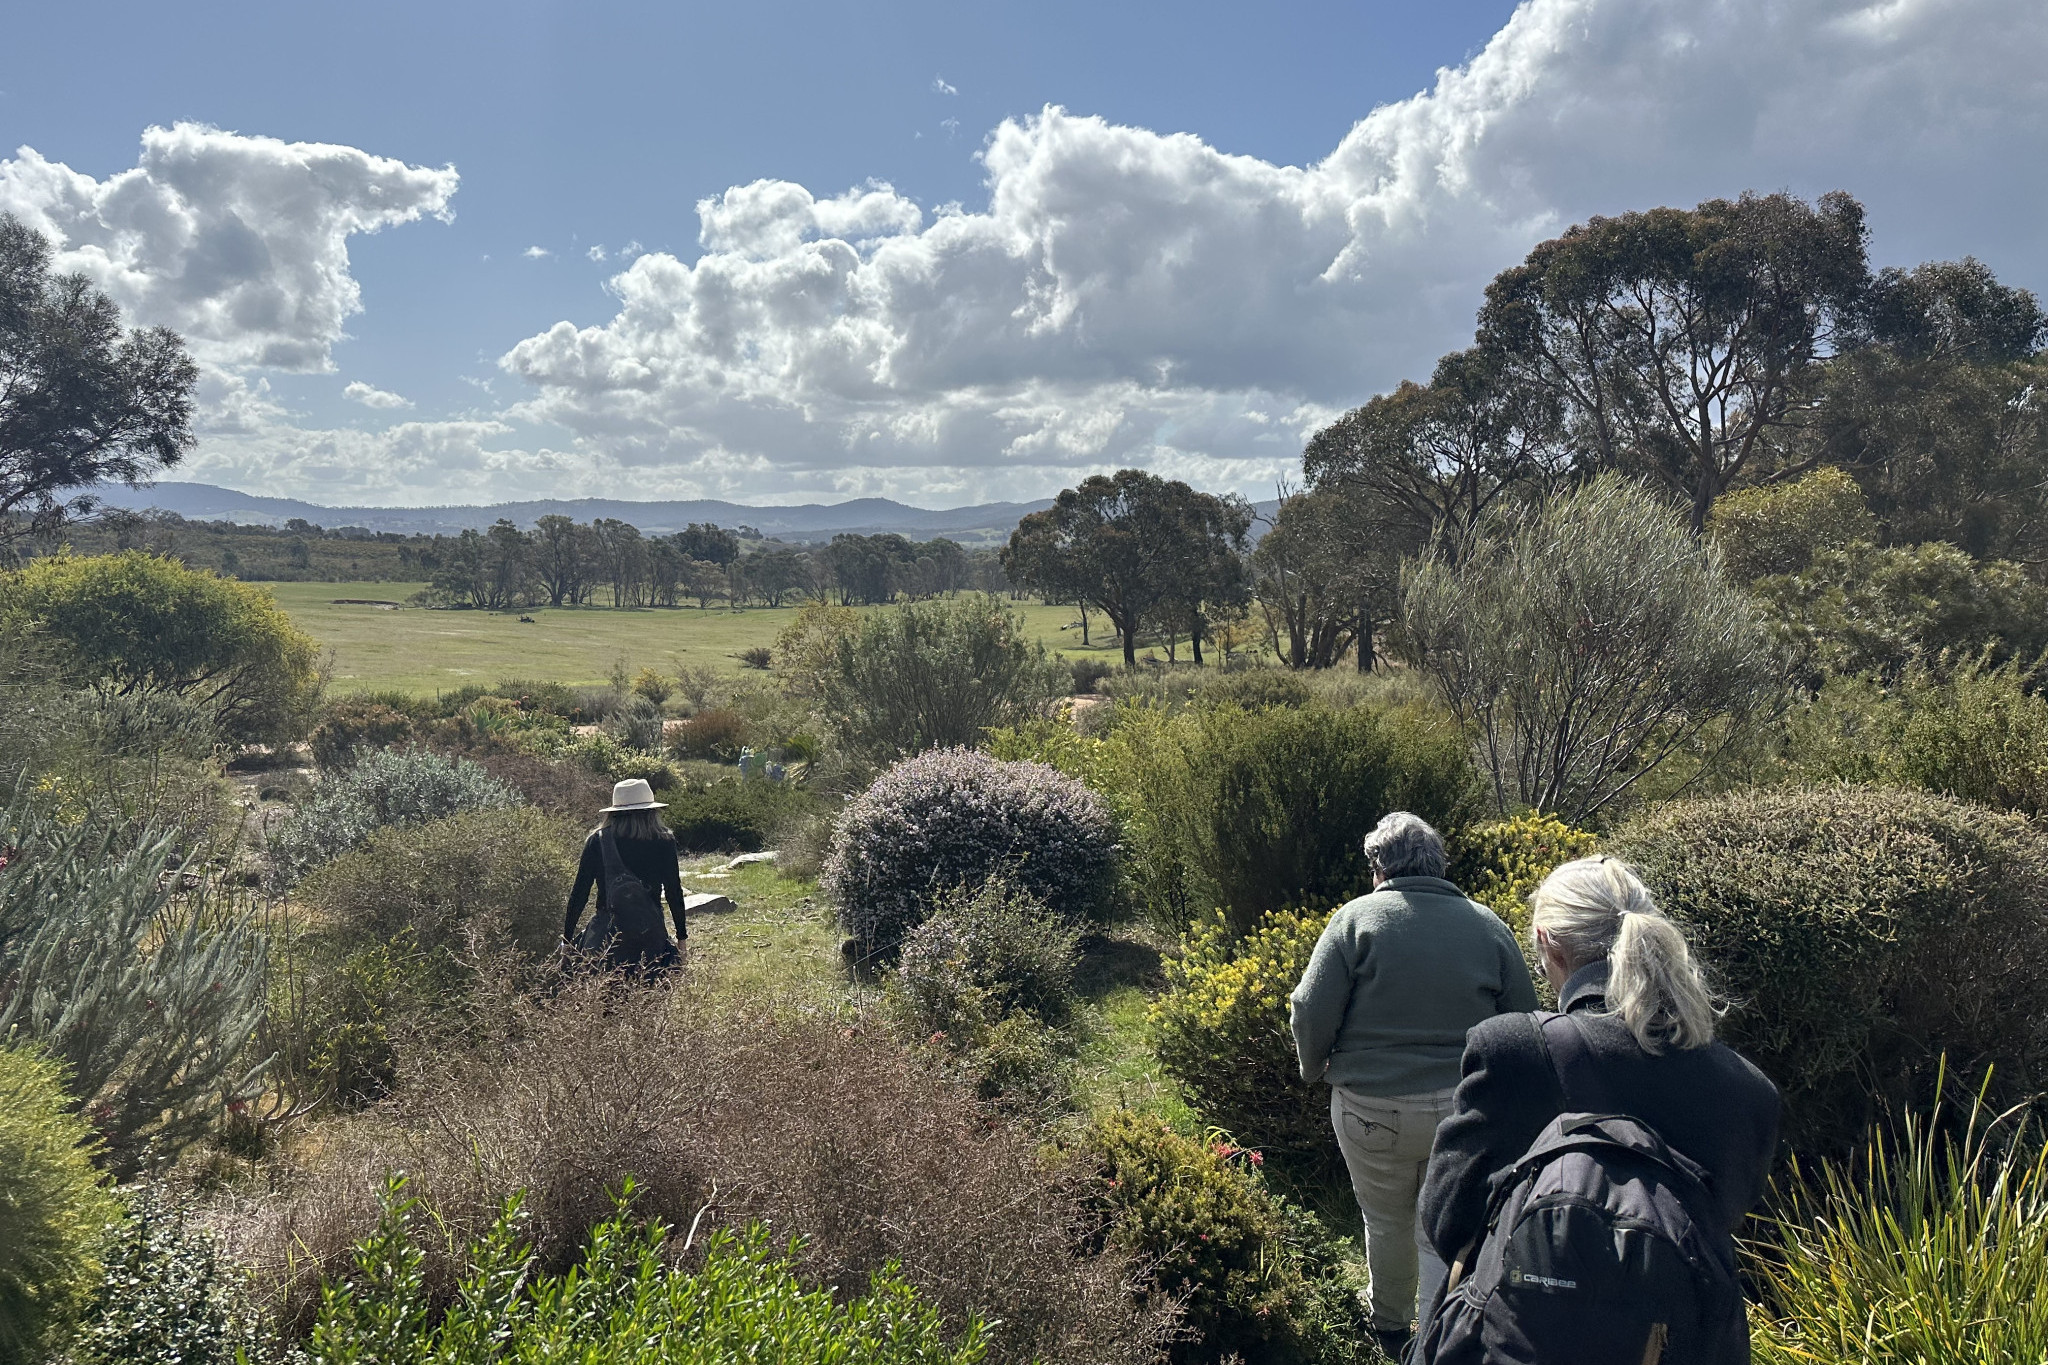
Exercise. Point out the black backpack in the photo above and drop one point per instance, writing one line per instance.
(630, 920)
(1600, 1247)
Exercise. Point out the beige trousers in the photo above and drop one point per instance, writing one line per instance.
(1386, 1142)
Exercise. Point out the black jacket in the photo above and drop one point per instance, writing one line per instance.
(1709, 1103)
(653, 861)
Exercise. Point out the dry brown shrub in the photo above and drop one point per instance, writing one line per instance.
(813, 1121)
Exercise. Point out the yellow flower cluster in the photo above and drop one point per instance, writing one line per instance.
(1505, 860)
(1240, 987)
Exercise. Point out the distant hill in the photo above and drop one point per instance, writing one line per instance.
(984, 523)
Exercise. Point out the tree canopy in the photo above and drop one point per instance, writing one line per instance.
(82, 401)
(138, 622)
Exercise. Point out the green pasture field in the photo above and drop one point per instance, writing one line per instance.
(421, 651)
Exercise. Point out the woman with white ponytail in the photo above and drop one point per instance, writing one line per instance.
(1635, 1028)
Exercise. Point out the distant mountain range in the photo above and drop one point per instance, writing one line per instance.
(984, 523)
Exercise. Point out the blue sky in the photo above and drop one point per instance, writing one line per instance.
(1210, 244)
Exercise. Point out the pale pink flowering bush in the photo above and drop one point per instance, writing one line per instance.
(954, 818)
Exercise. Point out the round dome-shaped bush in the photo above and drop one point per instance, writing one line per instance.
(954, 818)
(1861, 935)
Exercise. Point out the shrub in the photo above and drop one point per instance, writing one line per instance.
(734, 815)
(147, 997)
(1871, 609)
(1777, 528)
(1252, 811)
(756, 656)
(1585, 640)
(1861, 934)
(988, 980)
(1931, 1248)
(1979, 734)
(562, 788)
(54, 1209)
(1502, 862)
(1252, 1277)
(636, 723)
(355, 726)
(487, 876)
(654, 686)
(625, 1302)
(957, 818)
(1221, 1031)
(166, 1298)
(341, 1044)
(1086, 672)
(825, 1128)
(148, 623)
(984, 955)
(717, 734)
(389, 787)
(934, 674)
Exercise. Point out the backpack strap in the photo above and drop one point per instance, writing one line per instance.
(614, 865)
(1579, 1078)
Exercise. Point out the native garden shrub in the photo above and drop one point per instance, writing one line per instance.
(477, 879)
(636, 723)
(1255, 1278)
(148, 995)
(1585, 642)
(628, 1300)
(53, 1209)
(356, 726)
(389, 787)
(1501, 862)
(957, 818)
(717, 734)
(735, 815)
(1980, 734)
(1777, 528)
(1872, 609)
(1251, 811)
(167, 1298)
(1086, 672)
(933, 674)
(827, 1129)
(1861, 935)
(1221, 1032)
(989, 981)
(141, 622)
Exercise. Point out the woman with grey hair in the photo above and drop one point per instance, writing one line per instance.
(1396, 979)
(1641, 1028)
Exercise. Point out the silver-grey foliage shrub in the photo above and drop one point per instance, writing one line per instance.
(956, 818)
(148, 1000)
(389, 787)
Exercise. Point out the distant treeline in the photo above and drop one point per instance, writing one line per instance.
(559, 562)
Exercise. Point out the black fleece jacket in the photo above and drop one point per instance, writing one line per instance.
(653, 861)
(1710, 1103)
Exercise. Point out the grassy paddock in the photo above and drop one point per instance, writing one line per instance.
(419, 651)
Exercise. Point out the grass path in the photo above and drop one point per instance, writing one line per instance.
(419, 651)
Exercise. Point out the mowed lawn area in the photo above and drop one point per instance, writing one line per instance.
(422, 651)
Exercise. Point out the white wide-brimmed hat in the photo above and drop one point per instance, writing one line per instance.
(633, 794)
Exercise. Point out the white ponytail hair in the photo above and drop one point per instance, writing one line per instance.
(1598, 907)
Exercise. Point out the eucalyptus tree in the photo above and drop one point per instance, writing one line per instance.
(82, 401)
(1683, 345)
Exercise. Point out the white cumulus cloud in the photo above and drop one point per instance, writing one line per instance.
(535, 253)
(941, 86)
(371, 397)
(240, 243)
(1131, 296)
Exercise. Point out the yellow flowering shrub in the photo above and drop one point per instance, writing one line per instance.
(1501, 862)
(1221, 1031)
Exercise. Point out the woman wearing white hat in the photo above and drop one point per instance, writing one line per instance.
(631, 860)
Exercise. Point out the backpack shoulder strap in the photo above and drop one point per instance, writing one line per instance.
(1585, 1086)
(614, 865)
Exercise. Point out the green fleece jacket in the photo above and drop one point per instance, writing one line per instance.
(1394, 982)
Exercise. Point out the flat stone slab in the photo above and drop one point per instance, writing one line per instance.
(745, 858)
(706, 903)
